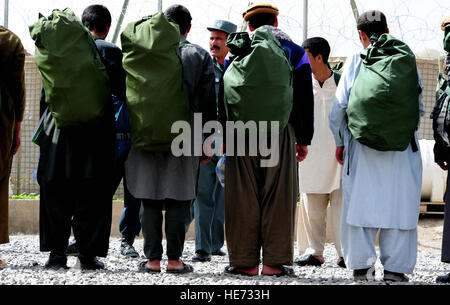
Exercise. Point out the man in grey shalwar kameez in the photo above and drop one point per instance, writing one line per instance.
(381, 189)
(167, 182)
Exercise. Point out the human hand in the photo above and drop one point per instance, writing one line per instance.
(301, 152)
(16, 145)
(204, 159)
(445, 22)
(340, 154)
(443, 165)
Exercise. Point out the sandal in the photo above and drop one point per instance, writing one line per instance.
(186, 269)
(236, 271)
(146, 269)
(285, 271)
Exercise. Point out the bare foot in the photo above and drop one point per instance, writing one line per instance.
(277, 270)
(247, 271)
(153, 264)
(271, 270)
(175, 264)
(2, 263)
(320, 258)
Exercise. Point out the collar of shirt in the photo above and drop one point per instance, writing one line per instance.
(329, 82)
(217, 64)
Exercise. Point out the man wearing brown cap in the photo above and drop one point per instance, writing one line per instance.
(260, 201)
(12, 106)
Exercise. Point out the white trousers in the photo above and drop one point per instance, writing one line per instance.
(312, 226)
(398, 248)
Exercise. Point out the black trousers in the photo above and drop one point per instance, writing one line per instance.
(83, 204)
(446, 232)
(177, 216)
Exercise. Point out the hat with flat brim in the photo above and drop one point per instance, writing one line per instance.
(224, 26)
(258, 9)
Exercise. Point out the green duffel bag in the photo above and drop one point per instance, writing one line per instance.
(73, 75)
(156, 97)
(258, 82)
(383, 108)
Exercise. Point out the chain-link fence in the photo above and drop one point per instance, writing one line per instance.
(24, 168)
(23, 175)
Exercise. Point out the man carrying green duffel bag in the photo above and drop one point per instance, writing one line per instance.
(74, 78)
(168, 79)
(373, 120)
(269, 79)
(76, 142)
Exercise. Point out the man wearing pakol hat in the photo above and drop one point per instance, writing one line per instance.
(209, 205)
(260, 202)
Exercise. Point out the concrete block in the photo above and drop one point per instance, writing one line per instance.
(24, 218)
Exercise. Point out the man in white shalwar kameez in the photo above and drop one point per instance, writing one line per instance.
(381, 189)
(320, 174)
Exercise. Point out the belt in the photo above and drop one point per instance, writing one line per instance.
(123, 136)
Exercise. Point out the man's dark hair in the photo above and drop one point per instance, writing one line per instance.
(316, 46)
(96, 17)
(180, 15)
(259, 20)
(372, 22)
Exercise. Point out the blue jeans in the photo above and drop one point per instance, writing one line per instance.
(208, 210)
(129, 222)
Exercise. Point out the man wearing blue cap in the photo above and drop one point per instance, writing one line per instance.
(209, 205)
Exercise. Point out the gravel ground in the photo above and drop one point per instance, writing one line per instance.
(25, 266)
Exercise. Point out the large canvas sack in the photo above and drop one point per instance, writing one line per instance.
(383, 108)
(73, 75)
(258, 82)
(156, 97)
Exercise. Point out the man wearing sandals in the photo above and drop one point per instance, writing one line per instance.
(12, 106)
(162, 180)
(381, 188)
(260, 202)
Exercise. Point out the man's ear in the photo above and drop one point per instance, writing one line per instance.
(319, 58)
(387, 30)
(363, 36)
(107, 30)
(188, 30)
(250, 27)
(276, 22)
